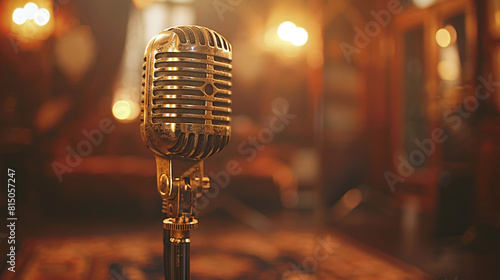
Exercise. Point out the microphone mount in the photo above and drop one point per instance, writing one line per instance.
(179, 191)
(179, 188)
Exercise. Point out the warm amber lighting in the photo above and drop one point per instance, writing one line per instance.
(443, 37)
(300, 37)
(19, 16)
(32, 23)
(42, 17)
(286, 30)
(122, 110)
(289, 32)
(422, 4)
(31, 12)
(448, 70)
(446, 36)
(453, 33)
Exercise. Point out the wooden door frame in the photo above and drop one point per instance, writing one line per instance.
(431, 19)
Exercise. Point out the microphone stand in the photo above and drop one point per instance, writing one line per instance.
(176, 256)
(179, 194)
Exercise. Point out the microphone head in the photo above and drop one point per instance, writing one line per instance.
(186, 92)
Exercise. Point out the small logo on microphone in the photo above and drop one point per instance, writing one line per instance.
(209, 89)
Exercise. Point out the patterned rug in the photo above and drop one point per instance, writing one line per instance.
(237, 254)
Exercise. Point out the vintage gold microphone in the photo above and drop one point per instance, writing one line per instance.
(186, 108)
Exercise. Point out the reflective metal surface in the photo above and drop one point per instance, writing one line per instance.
(185, 117)
(186, 92)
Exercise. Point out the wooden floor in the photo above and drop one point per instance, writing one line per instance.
(224, 253)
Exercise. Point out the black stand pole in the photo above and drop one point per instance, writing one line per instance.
(176, 256)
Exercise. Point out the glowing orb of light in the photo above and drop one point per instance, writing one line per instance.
(422, 4)
(30, 10)
(448, 70)
(286, 30)
(300, 37)
(443, 37)
(122, 110)
(19, 16)
(42, 17)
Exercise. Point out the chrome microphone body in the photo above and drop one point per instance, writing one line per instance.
(185, 117)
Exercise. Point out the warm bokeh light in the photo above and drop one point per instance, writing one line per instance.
(122, 110)
(31, 24)
(422, 4)
(286, 30)
(289, 32)
(300, 37)
(443, 37)
(80, 40)
(31, 11)
(448, 70)
(446, 36)
(42, 17)
(18, 16)
(453, 33)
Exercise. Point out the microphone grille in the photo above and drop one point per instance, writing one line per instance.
(200, 35)
(198, 146)
(189, 83)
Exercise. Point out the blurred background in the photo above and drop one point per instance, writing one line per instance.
(365, 140)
